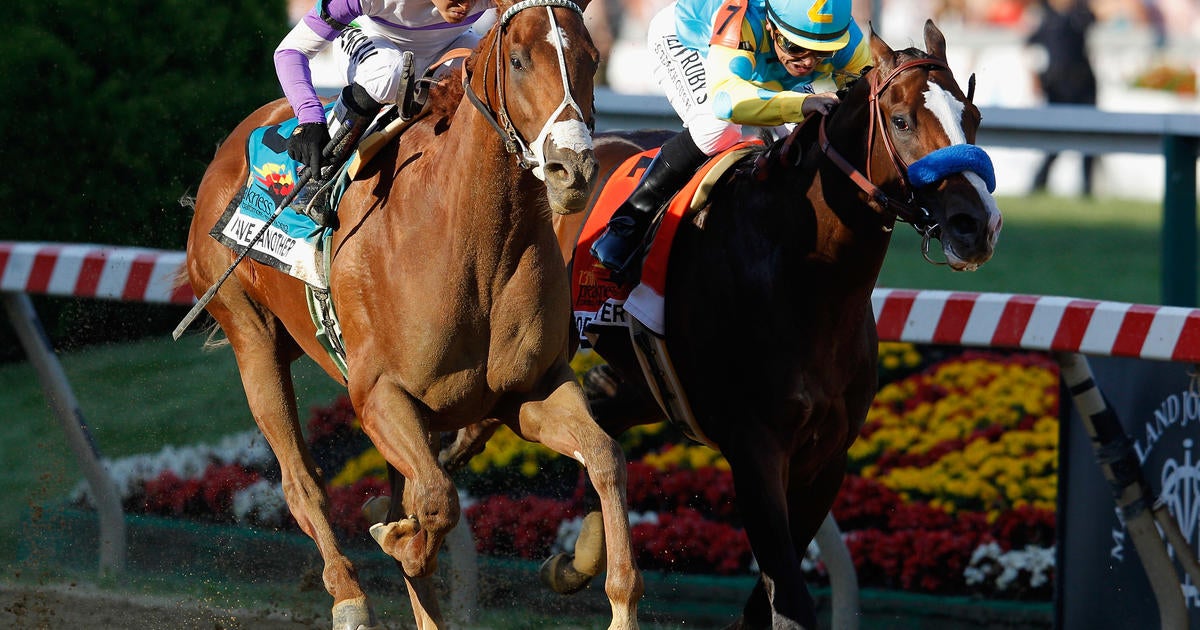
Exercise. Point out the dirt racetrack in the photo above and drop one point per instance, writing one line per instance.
(86, 607)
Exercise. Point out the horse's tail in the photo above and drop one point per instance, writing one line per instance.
(180, 279)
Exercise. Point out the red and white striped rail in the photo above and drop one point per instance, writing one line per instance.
(1031, 322)
(995, 320)
(129, 274)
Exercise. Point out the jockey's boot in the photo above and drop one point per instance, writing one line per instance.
(352, 114)
(622, 245)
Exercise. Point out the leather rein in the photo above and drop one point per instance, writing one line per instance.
(906, 210)
(528, 155)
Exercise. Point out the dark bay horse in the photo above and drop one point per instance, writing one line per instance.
(451, 294)
(768, 294)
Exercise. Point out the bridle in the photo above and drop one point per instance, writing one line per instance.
(930, 168)
(529, 155)
(907, 210)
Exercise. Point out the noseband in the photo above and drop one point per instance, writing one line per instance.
(528, 156)
(931, 168)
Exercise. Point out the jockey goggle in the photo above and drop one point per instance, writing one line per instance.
(796, 50)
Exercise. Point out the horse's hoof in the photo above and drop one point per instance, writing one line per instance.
(590, 553)
(388, 535)
(376, 508)
(355, 614)
(559, 574)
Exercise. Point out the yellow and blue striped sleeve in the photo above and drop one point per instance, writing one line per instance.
(736, 99)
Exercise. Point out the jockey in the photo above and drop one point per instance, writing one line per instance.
(724, 64)
(372, 37)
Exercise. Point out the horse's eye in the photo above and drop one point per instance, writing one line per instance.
(515, 61)
(900, 123)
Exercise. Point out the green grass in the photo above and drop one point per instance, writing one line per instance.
(140, 397)
(136, 398)
(1099, 249)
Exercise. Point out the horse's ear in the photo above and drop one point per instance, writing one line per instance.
(935, 42)
(882, 54)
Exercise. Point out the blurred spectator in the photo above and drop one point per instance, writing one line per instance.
(1067, 76)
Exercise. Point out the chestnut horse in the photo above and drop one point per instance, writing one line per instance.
(452, 298)
(769, 321)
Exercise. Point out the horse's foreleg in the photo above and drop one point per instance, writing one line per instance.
(561, 422)
(780, 598)
(421, 594)
(429, 506)
(468, 442)
(271, 397)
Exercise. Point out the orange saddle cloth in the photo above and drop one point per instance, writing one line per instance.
(596, 299)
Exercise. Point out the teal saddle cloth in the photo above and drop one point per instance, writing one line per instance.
(293, 243)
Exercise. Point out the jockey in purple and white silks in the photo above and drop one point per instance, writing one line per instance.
(371, 37)
(724, 64)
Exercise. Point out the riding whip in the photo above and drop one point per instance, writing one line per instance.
(285, 202)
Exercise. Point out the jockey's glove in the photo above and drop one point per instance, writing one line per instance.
(307, 142)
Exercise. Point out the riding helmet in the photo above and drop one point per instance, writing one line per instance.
(814, 24)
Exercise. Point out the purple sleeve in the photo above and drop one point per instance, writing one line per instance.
(292, 67)
(340, 11)
(295, 78)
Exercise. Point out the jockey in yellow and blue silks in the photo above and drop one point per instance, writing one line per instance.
(724, 64)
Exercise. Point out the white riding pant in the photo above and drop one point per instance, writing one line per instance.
(373, 62)
(680, 73)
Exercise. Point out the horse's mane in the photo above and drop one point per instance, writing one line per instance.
(446, 86)
(445, 95)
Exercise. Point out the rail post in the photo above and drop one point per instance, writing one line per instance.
(1179, 221)
(79, 438)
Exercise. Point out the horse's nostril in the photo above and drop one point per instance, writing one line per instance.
(556, 171)
(962, 225)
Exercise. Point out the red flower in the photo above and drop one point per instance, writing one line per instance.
(220, 483)
(345, 505)
(327, 421)
(525, 527)
(169, 495)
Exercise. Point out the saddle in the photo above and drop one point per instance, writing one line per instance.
(294, 243)
(600, 304)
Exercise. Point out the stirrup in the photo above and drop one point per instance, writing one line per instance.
(411, 103)
(316, 206)
(626, 270)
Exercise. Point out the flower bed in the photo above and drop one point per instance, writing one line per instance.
(951, 488)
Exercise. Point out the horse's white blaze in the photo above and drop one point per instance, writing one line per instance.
(993, 210)
(535, 153)
(948, 110)
(994, 221)
(562, 37)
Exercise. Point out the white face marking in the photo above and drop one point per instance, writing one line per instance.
(562, 36)
(948, 110)
(994, 223)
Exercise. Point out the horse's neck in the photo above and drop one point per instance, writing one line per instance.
(474, 153)
(851, 231)
(495, 203)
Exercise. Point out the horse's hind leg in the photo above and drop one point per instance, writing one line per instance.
(264, 354)
(561, 422)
